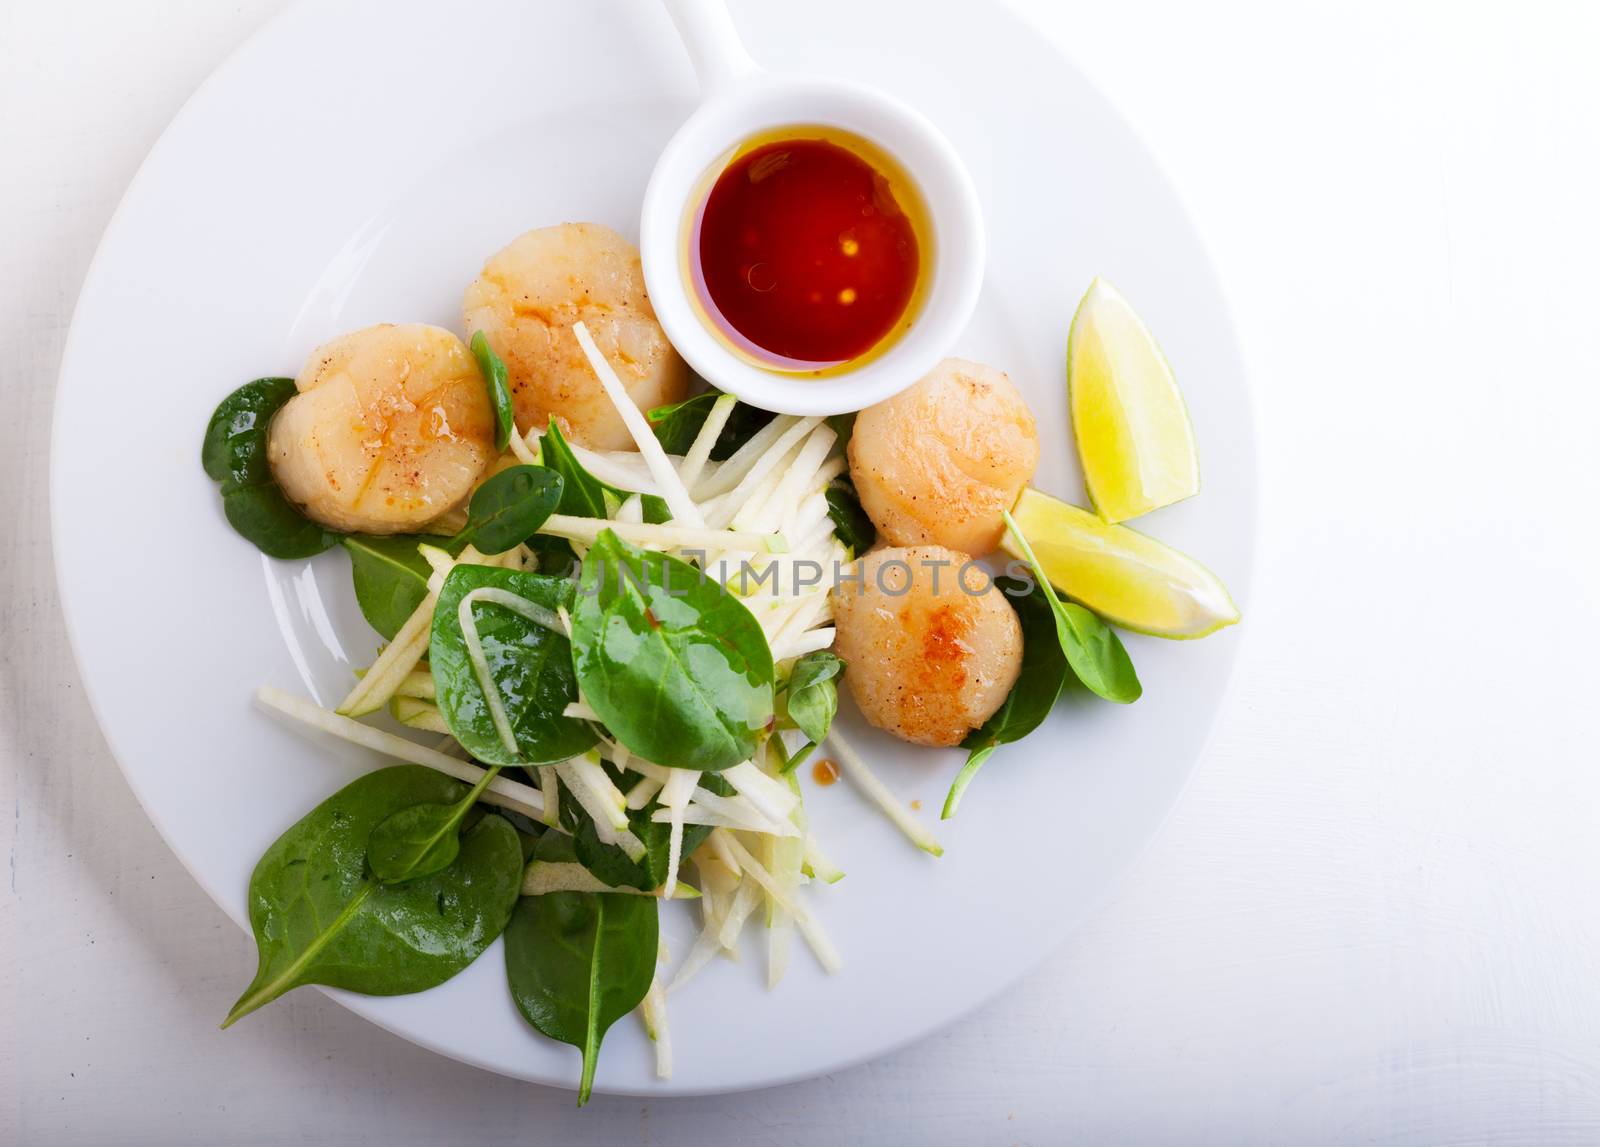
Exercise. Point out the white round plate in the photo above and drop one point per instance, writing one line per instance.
(355, 163)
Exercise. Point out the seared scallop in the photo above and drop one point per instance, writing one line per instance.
(940, 462)
(526, 301)
(392, 427)
(932, 644)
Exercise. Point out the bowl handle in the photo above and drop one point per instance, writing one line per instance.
(713, 43)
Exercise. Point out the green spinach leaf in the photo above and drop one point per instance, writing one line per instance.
(677, 668)
(1039, 684)
(850, 522)
(494, 377)
(528, 830)
(582, 494)
(391, 577)
(234, 453)
(1093, 648)
(577, 962)
(555, 555)
(531, 667)
(678, 425)
(422, 839)
(813, 699)
(320, 917)
(510, 507)
(1097, 655)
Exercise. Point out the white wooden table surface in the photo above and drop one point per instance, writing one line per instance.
(1375, 916)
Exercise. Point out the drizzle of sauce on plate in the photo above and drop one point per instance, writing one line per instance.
(824, 772)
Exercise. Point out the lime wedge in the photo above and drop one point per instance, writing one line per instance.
(1127, 578)
(1128, 415)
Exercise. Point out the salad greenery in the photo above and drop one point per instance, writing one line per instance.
(677, 426)
(850, 522)
(672, 663)
(320, 916)
(577, 962)
(638, 698)
(391, 576)
(813, 699)
(590, 643)
(1039, 683)
(644, 700)
(582, 494)
(494, 377)
(1093, 648)
(422, 839)
(649, 870)
(507, 509)
(529, 667)
(234, 454)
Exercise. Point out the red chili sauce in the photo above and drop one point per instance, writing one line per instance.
(808, 255)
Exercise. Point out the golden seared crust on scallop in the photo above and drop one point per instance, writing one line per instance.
(526, 301)
(932, 650)
(940, 462)
(392, 427)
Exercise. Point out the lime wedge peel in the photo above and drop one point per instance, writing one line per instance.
(1128, 415)
(1128, 578)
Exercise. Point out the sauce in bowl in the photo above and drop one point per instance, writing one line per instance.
(810, 251)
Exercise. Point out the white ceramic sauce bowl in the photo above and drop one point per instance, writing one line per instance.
(741, 100)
